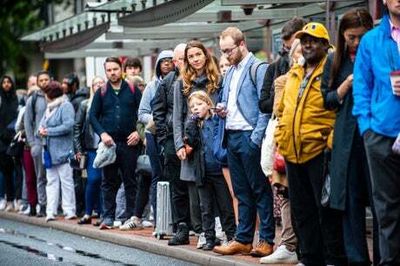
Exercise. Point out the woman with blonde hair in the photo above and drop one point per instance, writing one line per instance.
(85, 144)
(198, 73)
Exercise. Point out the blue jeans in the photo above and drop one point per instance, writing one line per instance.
(93, 191)
(156, 161)
(251, 188)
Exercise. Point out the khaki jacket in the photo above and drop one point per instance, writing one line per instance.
(304, 123)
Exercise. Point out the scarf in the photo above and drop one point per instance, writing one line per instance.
(53, 106)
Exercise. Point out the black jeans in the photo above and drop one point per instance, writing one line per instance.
(142, 196)
(384, 167)
(215, 193)
(195, 212)
(126, 165)
(7, 168)
(179, 190)
(318, 229)
(19, 177)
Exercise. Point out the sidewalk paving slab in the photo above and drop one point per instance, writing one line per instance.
(140, 239)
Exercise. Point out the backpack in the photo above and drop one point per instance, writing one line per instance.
(253, 71)
(103, 89)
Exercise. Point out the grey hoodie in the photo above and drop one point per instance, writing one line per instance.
(32, 123)
(145, 110)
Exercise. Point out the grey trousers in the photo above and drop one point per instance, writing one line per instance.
(40, 179)
(384, 167)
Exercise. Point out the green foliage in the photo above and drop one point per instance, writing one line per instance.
(18, 18)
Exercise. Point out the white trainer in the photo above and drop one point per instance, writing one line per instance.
(201, 241)
(3, 204)
(280, 255)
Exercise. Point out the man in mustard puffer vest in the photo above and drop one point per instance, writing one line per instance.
(301, 135)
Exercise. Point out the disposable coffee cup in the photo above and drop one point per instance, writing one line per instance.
(395, 77)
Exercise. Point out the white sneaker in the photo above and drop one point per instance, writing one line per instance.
(280, 255)
(218, 228)
(201, 241)
(10, 206)
(3, 204)
(70, 216)
(26, 211)
(134, 223)
(147, 224)
(50, 218)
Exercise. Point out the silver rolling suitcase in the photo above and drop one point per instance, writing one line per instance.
(164, 224)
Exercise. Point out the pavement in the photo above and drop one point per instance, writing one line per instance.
(141, 239)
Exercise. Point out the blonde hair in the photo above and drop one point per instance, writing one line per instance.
(135, 80)
(202, 96)
(235, 33)
(189, 74)
(91, 91)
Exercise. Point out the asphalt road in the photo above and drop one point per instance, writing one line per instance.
(23, 244)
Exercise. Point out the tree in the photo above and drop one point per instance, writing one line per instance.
(18, 18)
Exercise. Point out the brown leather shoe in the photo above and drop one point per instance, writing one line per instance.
(232, 248)
(262, 249)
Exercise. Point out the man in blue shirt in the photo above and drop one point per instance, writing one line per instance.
(244, 129)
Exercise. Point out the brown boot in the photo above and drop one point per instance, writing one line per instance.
(232, 248)
(262, 249)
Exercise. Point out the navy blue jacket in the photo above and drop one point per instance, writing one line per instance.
(115, 114)
(212, 167)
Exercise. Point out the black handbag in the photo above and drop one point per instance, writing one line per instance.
(77, 164)
(16, 147)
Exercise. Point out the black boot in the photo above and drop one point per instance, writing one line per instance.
(210, 240)
(42, 212)
(181, 237)
(32, 211)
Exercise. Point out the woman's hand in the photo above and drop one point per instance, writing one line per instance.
(345, 87)
(181, 153)
(78, 156)
(43, 132)
(133, 139)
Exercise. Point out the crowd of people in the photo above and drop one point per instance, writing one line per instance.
(314, 136)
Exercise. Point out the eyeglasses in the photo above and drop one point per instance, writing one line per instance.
(228, 51)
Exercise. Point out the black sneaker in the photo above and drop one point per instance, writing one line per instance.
(181, 237)
(42, 212)
(32, 210)
(209, 245)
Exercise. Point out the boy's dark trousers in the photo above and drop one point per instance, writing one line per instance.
(215, 191)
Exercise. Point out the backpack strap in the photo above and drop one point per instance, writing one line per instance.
(103, 89)
(33, 104)
(253, 71)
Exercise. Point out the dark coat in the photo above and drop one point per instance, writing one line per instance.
(8, 113)
(276, 69)
(180, 116)
(78, 97)
(163, 106)
(115, 114)
(84, 136)
(346, 134)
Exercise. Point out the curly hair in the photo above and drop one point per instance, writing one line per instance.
(189, 74)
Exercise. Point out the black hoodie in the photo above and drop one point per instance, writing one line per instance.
(8, 113)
